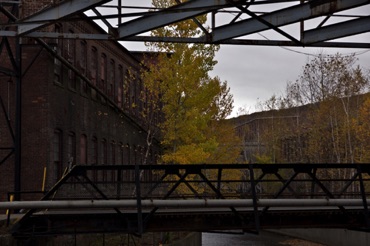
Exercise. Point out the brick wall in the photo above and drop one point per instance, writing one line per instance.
(49, 106)
(7, 94)
(29, 7)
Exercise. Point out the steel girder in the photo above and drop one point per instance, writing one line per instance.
(283, 17)
(228, 33)
(171, 15)
(234, 32)
(348, 28)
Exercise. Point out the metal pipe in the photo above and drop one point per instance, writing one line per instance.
(241, 203)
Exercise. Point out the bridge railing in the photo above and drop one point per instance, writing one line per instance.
(214, 181)
(236, 188)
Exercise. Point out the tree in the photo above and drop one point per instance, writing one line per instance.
(191, 101)
(361, 128)
(325, 101)
(330, 87)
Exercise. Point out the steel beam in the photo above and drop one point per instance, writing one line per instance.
(171, 15)
(283, 17)
(339, 30)
(301, 204)
(57, 12)
(56, 35)
(250, 42)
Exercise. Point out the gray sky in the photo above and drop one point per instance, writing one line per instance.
(255, 73)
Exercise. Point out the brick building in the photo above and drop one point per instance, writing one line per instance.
(64, 118)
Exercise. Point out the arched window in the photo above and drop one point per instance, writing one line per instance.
(103, 152)
(103, 159)
(83, 64)
(127, 160)
(120, 156)
(70, 49)
(111, 79)
(83, 149)
(113, 153)
(127, 156)
(113, 159)
(71, 54)
(94, 151)
(119, 94)
(93, 65)
(103, 73)
(58, 49)
(57, 154)
(126, 91)
(71, 149)
(94, 156)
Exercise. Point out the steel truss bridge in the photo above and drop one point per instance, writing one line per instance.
(207, 197)
(248, 203)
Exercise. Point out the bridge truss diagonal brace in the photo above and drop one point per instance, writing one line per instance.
(344, 29)
(52, 14)
(171, 15)
(283, 17)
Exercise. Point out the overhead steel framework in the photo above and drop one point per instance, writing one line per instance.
(300, 23)
(317, 22)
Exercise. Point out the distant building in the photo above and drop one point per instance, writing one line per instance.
(276, 135)
(325, 132)
(66, 120)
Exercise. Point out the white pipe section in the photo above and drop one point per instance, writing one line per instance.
(240, 203)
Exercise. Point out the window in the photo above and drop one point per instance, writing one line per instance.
(94, 157)
(103, 152)
(71, 149)
(83, 54)
(83, 64)
(103, 73)
(127, 160)
(57, 155)
(113, 152)
(71, 79)
(120, 173)
(120, 155)
(111, 79)
(70, 55)
(103, 159)
(119, 94)
(94, 151)
(133, 95)
(126, 89)
(113, 159)
(58, 49)
(70, 49)
(134, 160)
(93, 65)
(83, 149)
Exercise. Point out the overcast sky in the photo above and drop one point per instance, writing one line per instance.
(255, 73)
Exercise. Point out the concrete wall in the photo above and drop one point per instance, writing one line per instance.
(330, 237)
